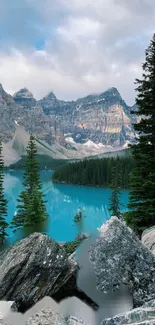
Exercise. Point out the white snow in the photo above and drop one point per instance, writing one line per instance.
(16, 123)
(100, 100)
(92, 144)
(78, 107)
(89, 143)
(126, 144)
(70, 140)
(67, 134)
(101, 145)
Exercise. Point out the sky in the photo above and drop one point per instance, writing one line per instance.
(74, 47)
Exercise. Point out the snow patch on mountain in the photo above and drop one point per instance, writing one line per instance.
(101, 100)
(90, 144)
(70, 140)
(126, 144)
(16, 123)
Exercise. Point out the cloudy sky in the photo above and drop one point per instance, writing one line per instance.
(74, 47)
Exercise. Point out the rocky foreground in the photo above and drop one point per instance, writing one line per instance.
(37, 266)
(32, 268)
(144, 315)
(48, 317)
(120, 258)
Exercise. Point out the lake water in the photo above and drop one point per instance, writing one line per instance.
(62, 204)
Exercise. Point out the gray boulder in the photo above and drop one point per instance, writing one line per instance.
(48, 317)
(143, 315)
(82, 236)
(148, 238)
(119, 258)
(32, 268)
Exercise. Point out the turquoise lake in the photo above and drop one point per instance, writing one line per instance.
(62, 204)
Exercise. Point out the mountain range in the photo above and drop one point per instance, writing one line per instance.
(89, 126)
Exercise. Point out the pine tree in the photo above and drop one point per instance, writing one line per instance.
(3, 201)
(115, 196)
(142, 195)
(78, 219)
(31, 209)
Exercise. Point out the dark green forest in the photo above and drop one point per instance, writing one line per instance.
(44, 162)
(95, 172)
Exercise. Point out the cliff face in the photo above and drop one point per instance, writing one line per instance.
(25, 98)
(103, 119)
(21, 110)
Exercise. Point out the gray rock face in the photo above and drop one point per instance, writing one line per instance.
(148, 238)
(48, 317)
(25, 98)
(24, 110)
(32, 268)
(8, 111)
(118, 258)
(143, 315)
(103, 118)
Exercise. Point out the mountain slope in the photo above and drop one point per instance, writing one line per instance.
(101, 118)
(16, 148)
(88, 126)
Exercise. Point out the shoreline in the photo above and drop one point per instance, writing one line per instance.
(88, 185)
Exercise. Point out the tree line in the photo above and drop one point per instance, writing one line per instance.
(44, 162)
(96, 172)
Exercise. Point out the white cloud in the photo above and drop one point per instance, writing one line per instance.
(40, 74)
(79, 27)
(89, 46)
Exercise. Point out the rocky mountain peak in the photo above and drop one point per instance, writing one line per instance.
(101, 118)
(5, 99)
(25, 98)
(49, 103)
(112, 92)
(1, 87)
(2, 91)
(23, 93)
(51, 96)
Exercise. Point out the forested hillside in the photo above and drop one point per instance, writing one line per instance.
(95, 172)
(44, 162)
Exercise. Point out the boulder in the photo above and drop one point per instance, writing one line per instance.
(32, 268)
(48, 317)
(82, 236)
(118, 257)
(143, 315)
(148, 238)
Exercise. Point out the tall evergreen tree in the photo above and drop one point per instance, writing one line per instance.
(115, 196)
(31, 209)
(3, 201)
(142, 196)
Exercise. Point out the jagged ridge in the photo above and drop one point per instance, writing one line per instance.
(102, 119)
